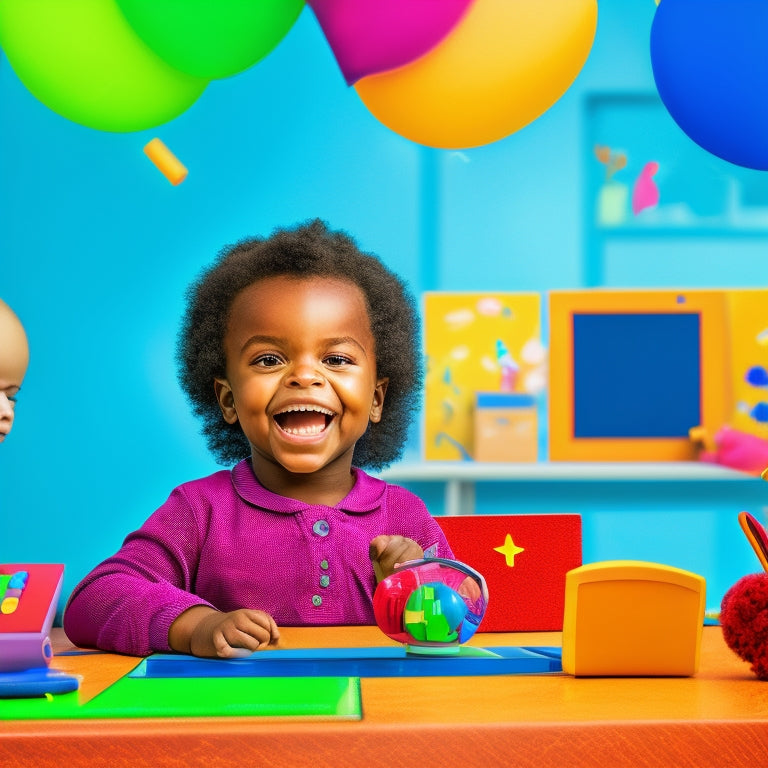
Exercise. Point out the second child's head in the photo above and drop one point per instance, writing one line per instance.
(14, 358)
(303, 348)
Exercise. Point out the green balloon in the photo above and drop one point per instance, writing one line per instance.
(211, 38)
(83, 60)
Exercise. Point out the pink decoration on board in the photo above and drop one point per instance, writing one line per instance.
(645, 193)
(371, 36)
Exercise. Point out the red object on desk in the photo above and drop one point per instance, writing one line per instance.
(42, 587)
(29, 594)
(524, 559)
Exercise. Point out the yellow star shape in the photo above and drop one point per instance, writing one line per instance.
(509, 549)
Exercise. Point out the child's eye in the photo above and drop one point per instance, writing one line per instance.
(337, 360)
(267, 361)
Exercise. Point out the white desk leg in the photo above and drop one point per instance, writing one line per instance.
(459, 497)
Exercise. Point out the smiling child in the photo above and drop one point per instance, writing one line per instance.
(300, 355)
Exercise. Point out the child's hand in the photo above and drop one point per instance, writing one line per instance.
(203, 631)
(387, 552)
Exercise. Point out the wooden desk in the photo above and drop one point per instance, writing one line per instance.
(717, 719)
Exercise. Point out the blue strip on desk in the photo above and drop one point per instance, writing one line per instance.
(355, 662)
(36, 682)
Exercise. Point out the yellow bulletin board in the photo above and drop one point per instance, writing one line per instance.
(476, 342)
(748, 326)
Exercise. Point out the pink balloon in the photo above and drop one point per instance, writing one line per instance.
(370, 36)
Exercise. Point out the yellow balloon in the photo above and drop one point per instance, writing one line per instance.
(503, 65)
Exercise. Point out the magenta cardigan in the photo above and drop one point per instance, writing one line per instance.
(227, 542)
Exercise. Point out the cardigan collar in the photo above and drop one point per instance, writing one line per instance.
(365, 496)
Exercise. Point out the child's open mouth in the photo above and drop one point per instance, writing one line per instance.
(304, 419)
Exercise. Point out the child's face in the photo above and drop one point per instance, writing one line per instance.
(9, 388)
(301, 372)
(14, 357)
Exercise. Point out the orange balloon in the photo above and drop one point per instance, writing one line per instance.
(501, 67)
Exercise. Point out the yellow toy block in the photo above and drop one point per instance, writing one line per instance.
(632, 618)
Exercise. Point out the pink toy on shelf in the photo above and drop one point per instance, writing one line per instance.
(732, 448)
(645, 193)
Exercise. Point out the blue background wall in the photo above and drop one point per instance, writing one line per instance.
(96, 249)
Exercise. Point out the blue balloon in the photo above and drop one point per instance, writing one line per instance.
(710, 64)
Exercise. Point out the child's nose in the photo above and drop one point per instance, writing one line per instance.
(305, 374)
(6, 407)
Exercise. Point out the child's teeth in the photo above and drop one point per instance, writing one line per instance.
(305, 431)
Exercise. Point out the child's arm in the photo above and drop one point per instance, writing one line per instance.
(128, 602)
(387, 552)
(204, 631)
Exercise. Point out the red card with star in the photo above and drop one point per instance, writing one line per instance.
(524, 559)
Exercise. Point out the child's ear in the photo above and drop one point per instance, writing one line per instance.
(377, 406)
(226, 400)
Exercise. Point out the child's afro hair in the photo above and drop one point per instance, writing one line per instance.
(308, 250)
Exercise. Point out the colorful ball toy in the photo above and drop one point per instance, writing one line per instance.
(431, 605)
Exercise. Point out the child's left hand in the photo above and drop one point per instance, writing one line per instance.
(387, 552)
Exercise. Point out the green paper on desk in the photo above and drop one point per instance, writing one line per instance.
(296, 697)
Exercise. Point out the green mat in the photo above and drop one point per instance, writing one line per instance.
(322, 697)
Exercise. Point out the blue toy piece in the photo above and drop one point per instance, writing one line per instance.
(40, 681)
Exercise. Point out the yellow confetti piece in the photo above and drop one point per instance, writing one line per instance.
(167, 163)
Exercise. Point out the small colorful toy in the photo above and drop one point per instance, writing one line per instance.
(432, 605)
(29, 595)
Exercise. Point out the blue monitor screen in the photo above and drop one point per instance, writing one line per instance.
(636, 375)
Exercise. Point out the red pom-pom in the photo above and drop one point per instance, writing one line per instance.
(744, 618)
